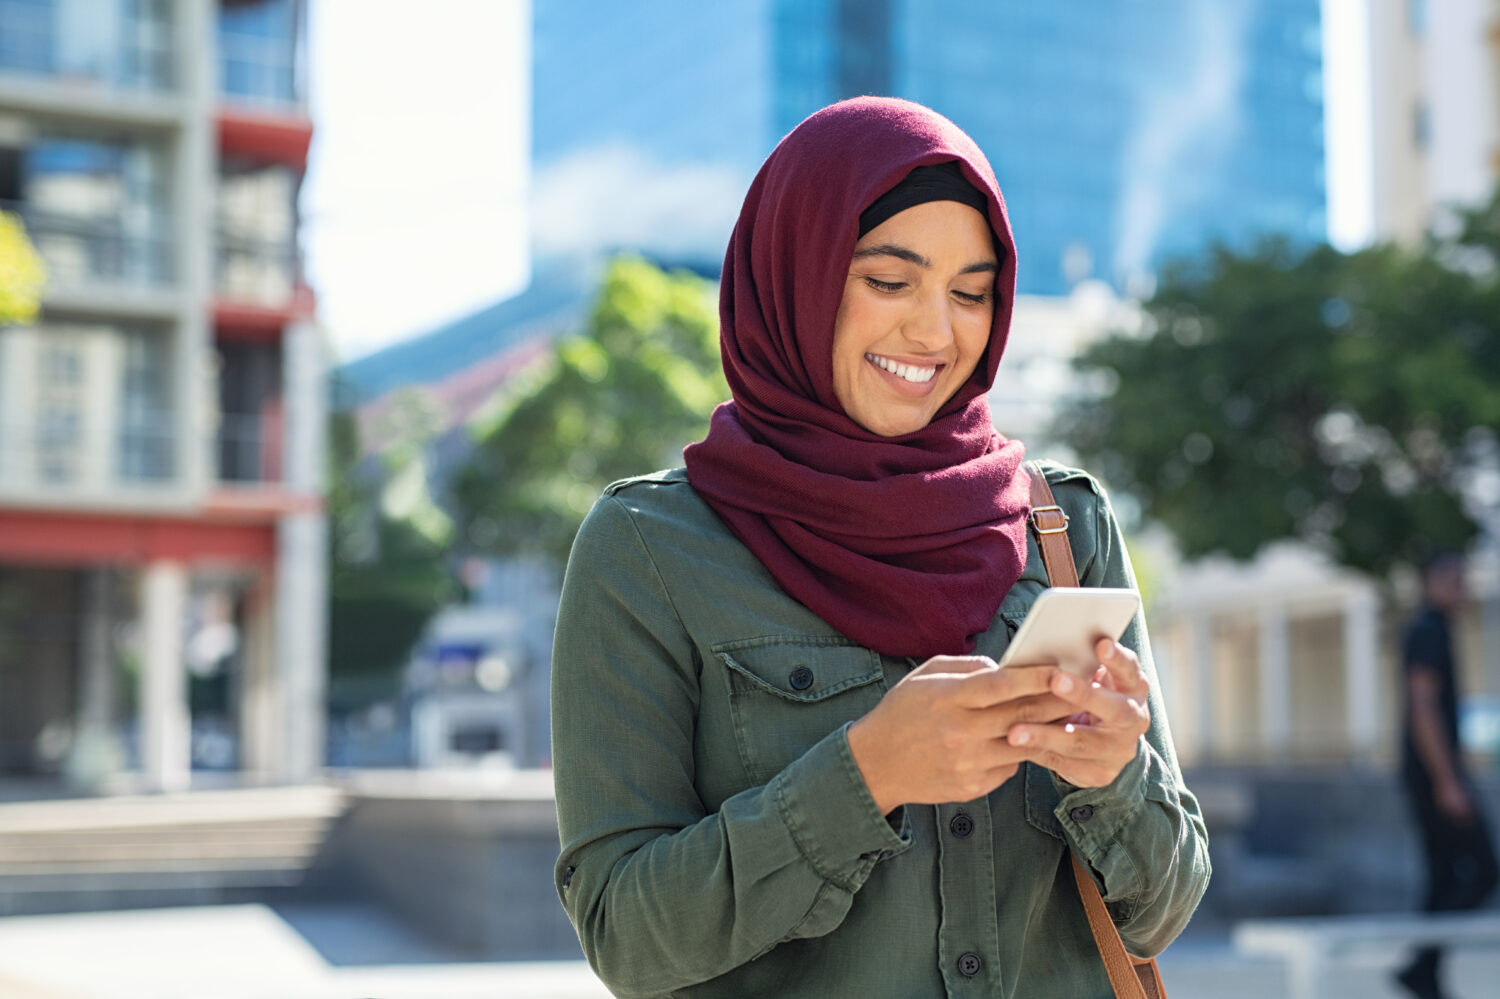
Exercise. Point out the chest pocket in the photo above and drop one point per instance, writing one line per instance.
(785, 694)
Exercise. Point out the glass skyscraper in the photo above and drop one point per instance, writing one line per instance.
(1123, 132)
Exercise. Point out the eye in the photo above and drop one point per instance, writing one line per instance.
(888, 287)
(968, 299)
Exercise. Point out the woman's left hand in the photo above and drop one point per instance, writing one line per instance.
(1092, 752)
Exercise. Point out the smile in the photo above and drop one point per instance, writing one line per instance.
(909, 372)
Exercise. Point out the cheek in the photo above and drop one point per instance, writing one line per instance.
(973, 337)
(857, 327)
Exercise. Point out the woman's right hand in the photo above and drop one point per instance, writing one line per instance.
(939, 734)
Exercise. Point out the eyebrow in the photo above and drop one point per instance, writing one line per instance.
(911, 256)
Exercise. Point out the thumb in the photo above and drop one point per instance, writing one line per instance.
(948, 665)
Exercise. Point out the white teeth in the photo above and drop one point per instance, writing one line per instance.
(910, 372)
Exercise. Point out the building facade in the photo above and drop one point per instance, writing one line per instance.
(1124, 134)
(162, 554)
(1435, 103)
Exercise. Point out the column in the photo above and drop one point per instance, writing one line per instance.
(95, 753)
(194, 171)
(1362, 670)
(164, 724)
(302, 559)
(1201, 637)
(1275, 680)
(1200, 645)
(260, 748)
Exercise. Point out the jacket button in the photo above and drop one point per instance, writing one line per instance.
(801, 678)
(1082, 813)
(969, 964)
(961, 825)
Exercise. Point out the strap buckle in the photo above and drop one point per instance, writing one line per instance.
(1037, 524)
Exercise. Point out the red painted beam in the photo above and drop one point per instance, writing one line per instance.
(49, 538)
(269, 137)
(246, 322)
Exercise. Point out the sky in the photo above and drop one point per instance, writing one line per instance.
(415, 201)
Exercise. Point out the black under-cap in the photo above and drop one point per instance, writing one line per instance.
(934, 182)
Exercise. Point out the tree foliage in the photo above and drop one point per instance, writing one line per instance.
(1347, 400)
(22, 273)
(386, 574)
(620, 398)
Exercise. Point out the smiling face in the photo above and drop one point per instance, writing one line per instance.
(915, 317)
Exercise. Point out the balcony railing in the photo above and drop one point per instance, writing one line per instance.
(75, 452)
(255, 271)
(81, 250)
(249, 447)
(79, 452)
(111, 43)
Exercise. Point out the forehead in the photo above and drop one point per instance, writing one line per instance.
(936, 226)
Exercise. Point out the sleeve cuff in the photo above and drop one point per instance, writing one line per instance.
(1093, 818)
(832, 817)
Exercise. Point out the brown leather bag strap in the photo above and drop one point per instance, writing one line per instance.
(1129, 977)
(1051, 527)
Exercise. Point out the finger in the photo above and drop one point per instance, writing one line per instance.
(982, 690)
(1072, 742)
(1085, 756)
(944, 665)
(1111, 708)
(1124, 667)
(1039, 709)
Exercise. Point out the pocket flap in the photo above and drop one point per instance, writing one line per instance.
(801, 669)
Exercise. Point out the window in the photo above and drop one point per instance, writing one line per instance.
(258, 50)
(60, 408)
(97, 208)
(256, 255)
(124, 44)
(249, 445)
(145, 420)
(1416, 17)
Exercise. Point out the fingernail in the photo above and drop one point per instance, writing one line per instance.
(1021, 738)
(1064, 683)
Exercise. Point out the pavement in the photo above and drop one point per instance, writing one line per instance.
(349, 952)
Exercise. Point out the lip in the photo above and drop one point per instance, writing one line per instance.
(896, 383)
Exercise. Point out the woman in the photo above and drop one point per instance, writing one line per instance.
(785, 761)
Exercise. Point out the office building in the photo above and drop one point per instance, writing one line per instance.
(1435, 101)
(162, 552)
(1123, 133)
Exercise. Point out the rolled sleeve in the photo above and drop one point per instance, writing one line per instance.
(832, 817)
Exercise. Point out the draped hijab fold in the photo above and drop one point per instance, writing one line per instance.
(904, 544)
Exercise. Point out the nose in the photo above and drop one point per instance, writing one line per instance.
(930, 326)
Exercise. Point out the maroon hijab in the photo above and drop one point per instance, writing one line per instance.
(904, 544)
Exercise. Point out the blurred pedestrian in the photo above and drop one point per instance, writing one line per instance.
(786, 762)
(1461, 867)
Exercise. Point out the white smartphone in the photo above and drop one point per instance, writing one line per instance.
(1064, 624)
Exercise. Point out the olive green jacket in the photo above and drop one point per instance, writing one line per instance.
(718, 840)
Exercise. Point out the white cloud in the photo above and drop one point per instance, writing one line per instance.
(414, 203)
(614, 196)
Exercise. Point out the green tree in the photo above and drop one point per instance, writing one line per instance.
(388, 565)
(1348, 400)
(621, 397)
(22, 273)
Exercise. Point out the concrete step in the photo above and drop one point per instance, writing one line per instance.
(77, 854)
(157, 810)
(20, 856)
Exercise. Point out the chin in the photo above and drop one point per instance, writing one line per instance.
(897, 427)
